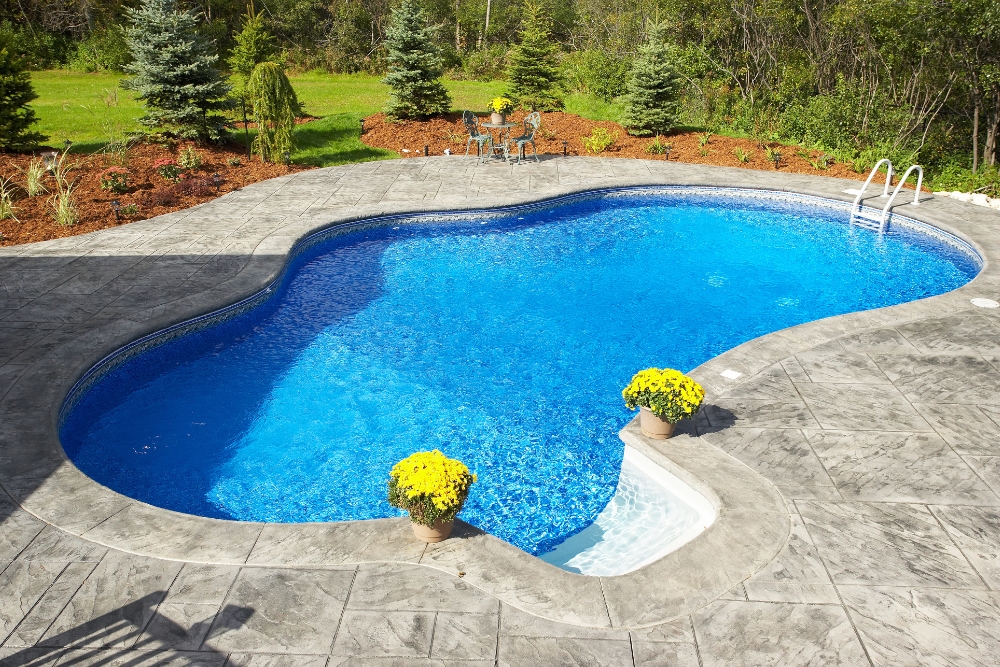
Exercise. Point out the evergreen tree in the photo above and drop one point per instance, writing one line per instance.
(654, 87)
(254, 44)
(414, 62)
(534, 72)
(175, 73)
(275, 107)
(15, 93)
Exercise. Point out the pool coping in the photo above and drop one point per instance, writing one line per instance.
(753, 514)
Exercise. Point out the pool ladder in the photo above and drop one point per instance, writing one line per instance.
(878, 221)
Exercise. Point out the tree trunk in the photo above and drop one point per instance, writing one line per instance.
(486, 30)
(975, 134)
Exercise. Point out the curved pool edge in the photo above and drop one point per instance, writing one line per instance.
(37, 475)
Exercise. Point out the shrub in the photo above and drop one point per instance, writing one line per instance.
(194, 187)
(16, 116)
(658, 147)
(654, 87)
(275, 107)
(160, 197)
(7, 190)
(33, 177)
(414, 66)
(667, 393)
(534, 75)
(430, 486)
(254, 44)
(742, 155)
(599, 73)
(39, 49)
(114, 179)
(189, 158)
(104, 50)
(599, 140)
(486, 64)
(63, 206)
(175, 73)
(168, 169)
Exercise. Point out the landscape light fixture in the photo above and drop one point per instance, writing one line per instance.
(777, 159)
(116, 206)
(67, 143)
(427, 151)
(288, 157)
(565, 143)
(666, 153)
(50, 157)
(362, 121)
(216, 181)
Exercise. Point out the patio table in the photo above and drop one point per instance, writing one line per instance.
(503, 134)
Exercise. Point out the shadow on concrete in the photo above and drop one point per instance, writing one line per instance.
(122, 638)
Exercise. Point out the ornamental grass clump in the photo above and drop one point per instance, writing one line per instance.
(430, 486)
(668, 394)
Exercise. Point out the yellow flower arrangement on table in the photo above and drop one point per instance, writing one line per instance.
(430, 486)
(667, 393)
(501, 105)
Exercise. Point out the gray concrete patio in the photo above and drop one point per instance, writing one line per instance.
(857, 460)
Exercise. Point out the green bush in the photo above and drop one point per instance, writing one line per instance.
(953, 177)
(486, 64)
(598, 73)
(16, 93)
(104, 50)
(37, 48)
(534, 74)
(415, 91)
(254, 44)
(275, 107)
(654, 86)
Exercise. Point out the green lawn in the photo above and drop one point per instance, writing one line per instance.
(88, 109)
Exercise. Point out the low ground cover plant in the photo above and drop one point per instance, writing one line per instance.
(168, 169)
(114, 179)
(430, 486)
(599, 140)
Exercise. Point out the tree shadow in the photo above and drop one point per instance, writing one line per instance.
(127, 629)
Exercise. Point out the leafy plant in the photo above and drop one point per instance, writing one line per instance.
(742, 155)
(234, 162)
(703, 139)
(599, 140)
(772, 155)
(430, 486)
(534, 73)
(130, 209)
(822, 163)
(114, 179)
(654, 87)
(667, 393)
(168, 169)
(33, 177)
(275, 107)
(454, 137)
(703, 151)
(658, 147)
(189, 158)
(415, 66)
(60, 170)
(7, 190)
(63, 205)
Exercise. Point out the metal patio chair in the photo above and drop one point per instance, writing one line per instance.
(531, 124)
(481, 139)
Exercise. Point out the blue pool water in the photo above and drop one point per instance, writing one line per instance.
(503, 341)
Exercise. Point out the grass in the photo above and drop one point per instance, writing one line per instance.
(88, 109)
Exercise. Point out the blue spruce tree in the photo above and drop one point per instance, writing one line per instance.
(414, 66)
(175, 72)
(654, 87)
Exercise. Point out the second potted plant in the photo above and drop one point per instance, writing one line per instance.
(664, 397)
(432, 488)
(500, 106)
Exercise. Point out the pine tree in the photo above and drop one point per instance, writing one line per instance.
(654, 86)
(175, 72)
(534, 72)
(414, 61)
(15, 93)
(275, 107)
(254, 44)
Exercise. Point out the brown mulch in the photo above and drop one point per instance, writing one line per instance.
(408, 138)
(148, 191)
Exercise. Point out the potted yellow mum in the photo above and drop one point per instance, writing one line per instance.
(664, 397)
(432, 488)
(500, 106)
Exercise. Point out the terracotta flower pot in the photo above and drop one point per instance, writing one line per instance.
(498, 118)
(653, 426)
(436, 533)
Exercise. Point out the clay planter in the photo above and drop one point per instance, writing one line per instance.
(654, 427)
(436, 533)
(498, 118)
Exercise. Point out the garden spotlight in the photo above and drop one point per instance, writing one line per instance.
(288, 157)
(50, 157)
(565, 143)
(777, 159)
(116, 206)
(427, 151)
(216, 181)
(67, 143)
(362, 121)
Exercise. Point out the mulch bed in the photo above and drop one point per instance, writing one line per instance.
(409, 138)
(150, 193)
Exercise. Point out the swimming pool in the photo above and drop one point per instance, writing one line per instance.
(501, 339)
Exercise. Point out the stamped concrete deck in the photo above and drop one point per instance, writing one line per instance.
(866, 447)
